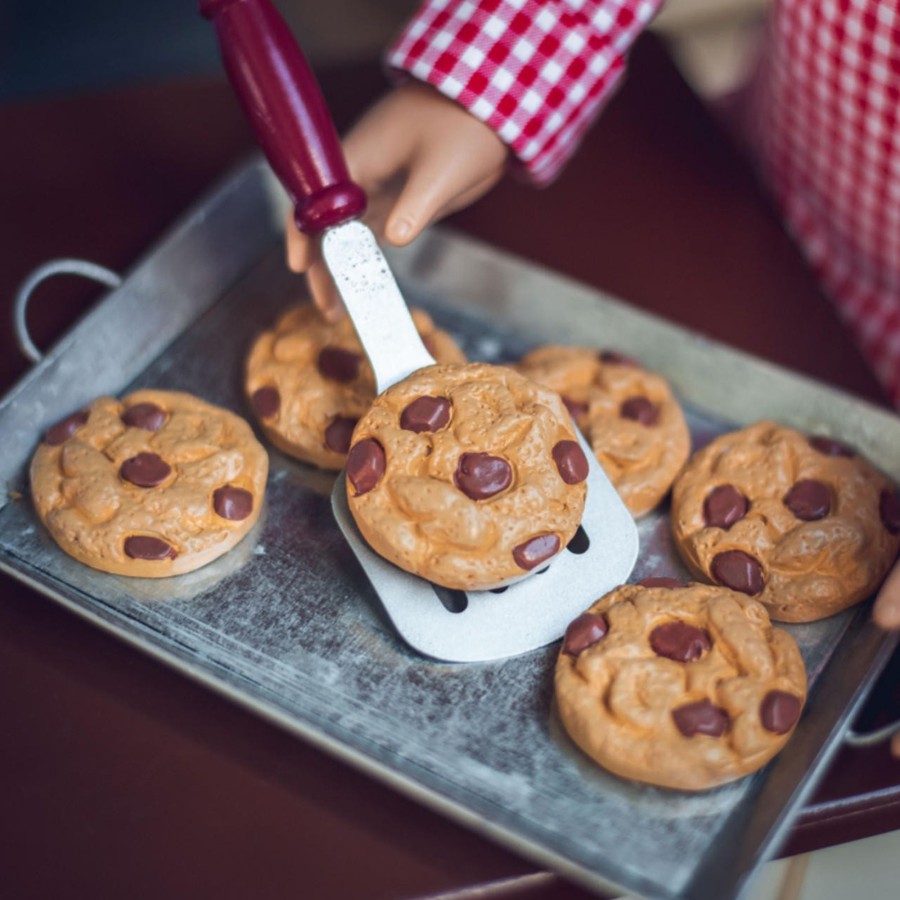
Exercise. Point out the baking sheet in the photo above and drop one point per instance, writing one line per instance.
(288, 625)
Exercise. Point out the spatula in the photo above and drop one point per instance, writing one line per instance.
(282, 101)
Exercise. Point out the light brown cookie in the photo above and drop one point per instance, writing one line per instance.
(804, 525)
(629, 416)
(467, 475)
(686, 687)
(158, 483)
(309, 381)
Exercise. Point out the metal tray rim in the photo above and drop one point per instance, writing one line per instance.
(417, 791)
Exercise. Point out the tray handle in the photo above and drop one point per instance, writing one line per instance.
(54, 267)
(870, 738)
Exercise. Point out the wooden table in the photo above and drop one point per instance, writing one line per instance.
(120, 777)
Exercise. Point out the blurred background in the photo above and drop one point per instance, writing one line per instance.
(58, 46)
(53, 46)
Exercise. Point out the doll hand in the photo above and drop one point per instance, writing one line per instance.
(887, 604)
(419, 157)
(887, 615)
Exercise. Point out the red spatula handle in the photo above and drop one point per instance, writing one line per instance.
(282, 100)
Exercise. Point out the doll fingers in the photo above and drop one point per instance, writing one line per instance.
(301, 250)
(325, 295)
(887, 604)
(379, 147)
(427, 197)
(469, 196)
(429, 189)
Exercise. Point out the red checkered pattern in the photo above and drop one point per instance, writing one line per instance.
(823, 118)
(535, 71)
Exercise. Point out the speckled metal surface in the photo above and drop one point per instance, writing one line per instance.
(288, 625)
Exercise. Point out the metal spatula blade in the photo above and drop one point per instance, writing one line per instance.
(374, 303)
(467, 626)
(277, 89)
(476, 626)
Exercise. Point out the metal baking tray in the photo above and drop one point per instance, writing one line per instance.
(287, 624)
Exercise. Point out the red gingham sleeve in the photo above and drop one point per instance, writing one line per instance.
(824, 122)
(536, 71)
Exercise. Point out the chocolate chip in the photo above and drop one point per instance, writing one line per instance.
(339, 433)
(64, 429)
(889, 510)
(575, 407)
(140, 546)
(809, 500)
(339, 364)
(738, 571)
(679, 641)
(831, 447)
(584, 632)
(660, 581)
(701, 717)
(266, 402)
(145, 470)
(613, 357)
(779, 711)
(640, 409)
(570, 461)
(366, 463)
(724, 506)
(232, 503)
(480, 475)
(144, 415)
(425, 414)
(536, 550)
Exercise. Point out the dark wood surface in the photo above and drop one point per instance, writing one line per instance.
(119, 777)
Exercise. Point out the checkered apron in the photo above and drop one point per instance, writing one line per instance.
(822, 118)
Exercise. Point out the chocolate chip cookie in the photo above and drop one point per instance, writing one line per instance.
(803, 524)
(629, 415)
(156, 484)
(683, 687)
(468, 476)
(309, 381)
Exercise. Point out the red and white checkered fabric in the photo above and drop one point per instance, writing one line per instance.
(535, 71)
(824, 117)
